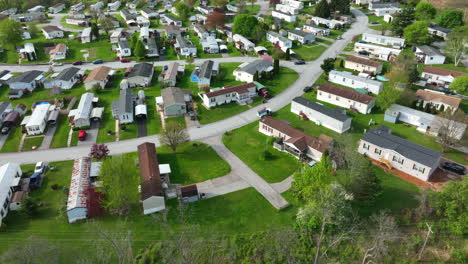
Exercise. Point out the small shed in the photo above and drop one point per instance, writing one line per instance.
(12, 119)
(53, 117)
(189, 193)
(96, 113)
(18, 196)
(140, 111)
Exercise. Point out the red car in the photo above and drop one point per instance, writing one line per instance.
(77, 63)
(124, 60)
(82, 135)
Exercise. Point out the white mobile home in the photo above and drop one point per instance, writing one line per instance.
(283, 16)
(10, 176)
(38, 120)
(376, 51)
(80, 117)
(353, 81)
(384, 40)
(346, 98)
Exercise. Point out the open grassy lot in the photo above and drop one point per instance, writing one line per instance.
(61, 134)
(249, 145)
(382, 24)
(32, 142)
(176, 119)
(324, 41)
(310, 52)
(13, 140)
(193, 162)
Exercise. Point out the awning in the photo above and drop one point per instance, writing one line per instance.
(164, 168)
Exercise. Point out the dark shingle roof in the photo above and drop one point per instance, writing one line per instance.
(346, 93)
(333, 113)
(124, 104)
(123, 43)
(27, 77)
(149, 171)
(300, 32)
(67, 74)
(382, 138)
(206, 69)
(255, 66)
(141, 69)
(428, 50)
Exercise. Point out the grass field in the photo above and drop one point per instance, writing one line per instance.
(13, 140)
(32, 142)
(310, 52)
(61, 134)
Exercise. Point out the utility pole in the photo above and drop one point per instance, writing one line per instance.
(429, 232)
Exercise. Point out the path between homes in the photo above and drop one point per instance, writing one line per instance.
(308, 74)
(241, 170)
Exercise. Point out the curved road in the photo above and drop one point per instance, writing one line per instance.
(308, 74)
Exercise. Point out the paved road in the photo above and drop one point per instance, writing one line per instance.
(248, 175)
(308, 75)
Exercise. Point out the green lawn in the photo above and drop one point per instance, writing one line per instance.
(35, 142)
(324, 41)
(252, 10)
(13, 140)
(177, 119)
(382, 24)
(310, 52)
(60, 138)
(193, 162)
(249, 145)
(334, 33)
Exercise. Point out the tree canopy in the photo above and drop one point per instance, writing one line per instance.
(11, 33)
(140, 50)
(450, 18)
(322, 9)
(460, 85)
(425, 11)
(182, 10)
(245, 25)
(417, 33)
(456, 43)
(402, 20)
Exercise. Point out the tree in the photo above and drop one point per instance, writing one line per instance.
(417, 33)
(255, 77)
(140, 50)
(182, 10)
(252, 2)
(309, 180)
(457, 43)
(450, 205)
(328, 64)
(190, 60)
(450, 18)
(245, 25)
(29, 207)
(425, 11)
(11, 33)
(190, 3)
(384, 230)
(99, 151)
(133, 41)
(33, 30)
(120, 183)
(460, 85)
(388, 96)
(173, 135)
(402, 20)
(215, 19)
(322, 9)
(95, 30)
(288, 54)
(276, 67)
(106, 24)
(241, 6)
(451, 127)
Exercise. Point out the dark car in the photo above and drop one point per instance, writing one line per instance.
(98, 61)
(363, 52)
(448, 91)
(307, 89)
(35, 181)
(374, 22)
(77, 63)
(264, 93)
(299, 62)
(124, 60)
(5, 130)
(454, 167)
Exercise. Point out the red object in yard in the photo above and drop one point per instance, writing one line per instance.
(124, 60)
(82, 135)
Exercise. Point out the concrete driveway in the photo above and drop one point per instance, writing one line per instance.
(141, 127)
(3, 139)
(49, 135)
(91, 134)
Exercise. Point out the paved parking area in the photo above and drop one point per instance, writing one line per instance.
(92, 134)
(141, 127)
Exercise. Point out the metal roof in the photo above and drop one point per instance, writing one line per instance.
(27, 77)
(141, 69)
(77, 195)
(85, 107)
(67, 74)
(336, 113)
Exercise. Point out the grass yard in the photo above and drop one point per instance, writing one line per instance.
(176, 119)
(382, 24)
(249, 145)
(334, 33)
(32, 142)
(324, 41)
(349, 47)
(193, 162)
(310, 52)
(252, 9)
(60, 138)
(13, 140)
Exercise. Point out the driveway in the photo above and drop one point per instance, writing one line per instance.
(3, 139)
(91, 135)
(49, 135)
(141, 126)
(308, 74)
(245, 173)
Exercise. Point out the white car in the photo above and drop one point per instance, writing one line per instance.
(40, 167)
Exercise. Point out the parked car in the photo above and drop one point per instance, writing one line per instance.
(307, 89)
(362, 41)
(339, 37)
(35, 181)
(363, 52)
(454, 167)
(77, 63)
(82, 135)
(264, 111)
(299, 62)
(264, 93)
(124, 60)
(448, 91)
(374, 22)
(40, 167)
(99, 61)
(5, 130)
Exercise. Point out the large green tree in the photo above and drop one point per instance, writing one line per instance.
(402, 20)
(425, 11)
(140, 50)
(417, 33)
(457, 43)
(245, 25)
(10, 33)
(120, 180)
(460, 85)
(450, 18)
(322, 9)
(182, 10)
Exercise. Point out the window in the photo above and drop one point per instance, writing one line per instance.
(337, 98)
(398, 159)
(212, 100)
(365, 146)
(377, 151)
(228, 95)
(418, 168)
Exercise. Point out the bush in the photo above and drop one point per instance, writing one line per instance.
(54, 186)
